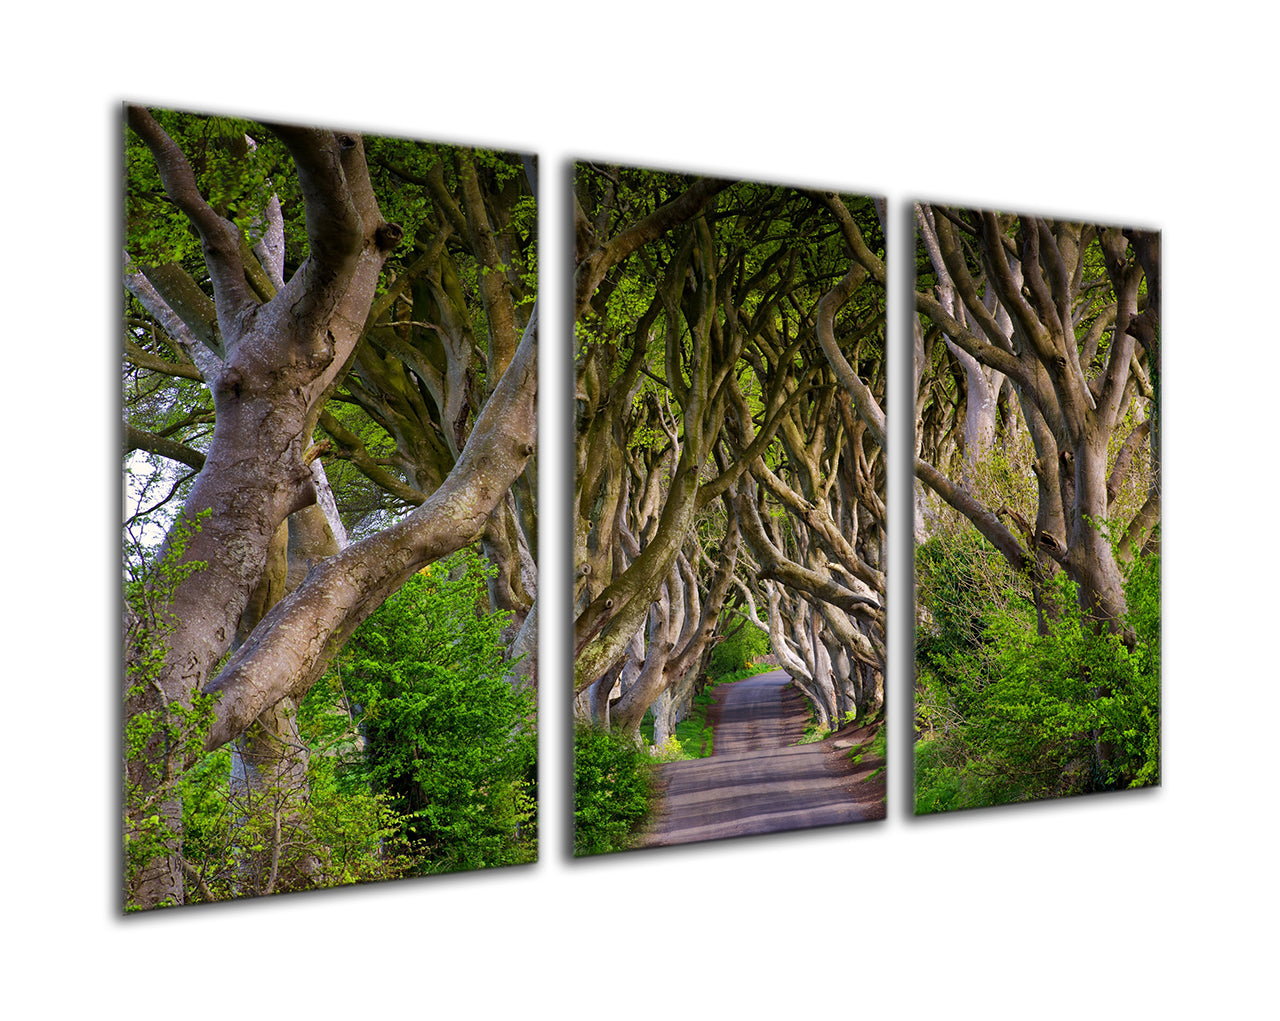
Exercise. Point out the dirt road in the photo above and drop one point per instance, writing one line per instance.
(758, 780)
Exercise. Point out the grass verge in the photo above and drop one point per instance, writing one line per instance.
(694, 737)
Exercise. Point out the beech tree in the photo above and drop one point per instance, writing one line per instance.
(1058, 323)
(724, 468)
(310, 335)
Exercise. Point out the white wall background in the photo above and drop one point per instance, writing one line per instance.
(1141, 905)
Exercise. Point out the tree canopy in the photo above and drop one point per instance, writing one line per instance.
(730, 387)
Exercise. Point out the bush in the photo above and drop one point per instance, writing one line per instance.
(422, 759)
(446, 736)
(693, 737)
(1009, 715)
(341, 835)
(963, 583)
(613, 791)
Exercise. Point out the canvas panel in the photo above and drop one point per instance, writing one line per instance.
(330, 553)
(1037, 508)
(729, 505)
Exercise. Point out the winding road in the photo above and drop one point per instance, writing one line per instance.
(758, 780)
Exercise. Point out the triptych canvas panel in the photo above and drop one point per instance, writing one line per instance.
(331, 560)
(1037, 516)
(729, 505)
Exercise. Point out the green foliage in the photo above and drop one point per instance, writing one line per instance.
(962, 583)
(613, 791)
(237, 164)
(877, 748)
(147, 595)
(240, 841)
(813, 733)
(738, 652)
(158, 734)
(422, 759)
(673, 749)
(446, 736)
(1005, 714)
(743, 674)
(880, 743)
(693, 737)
